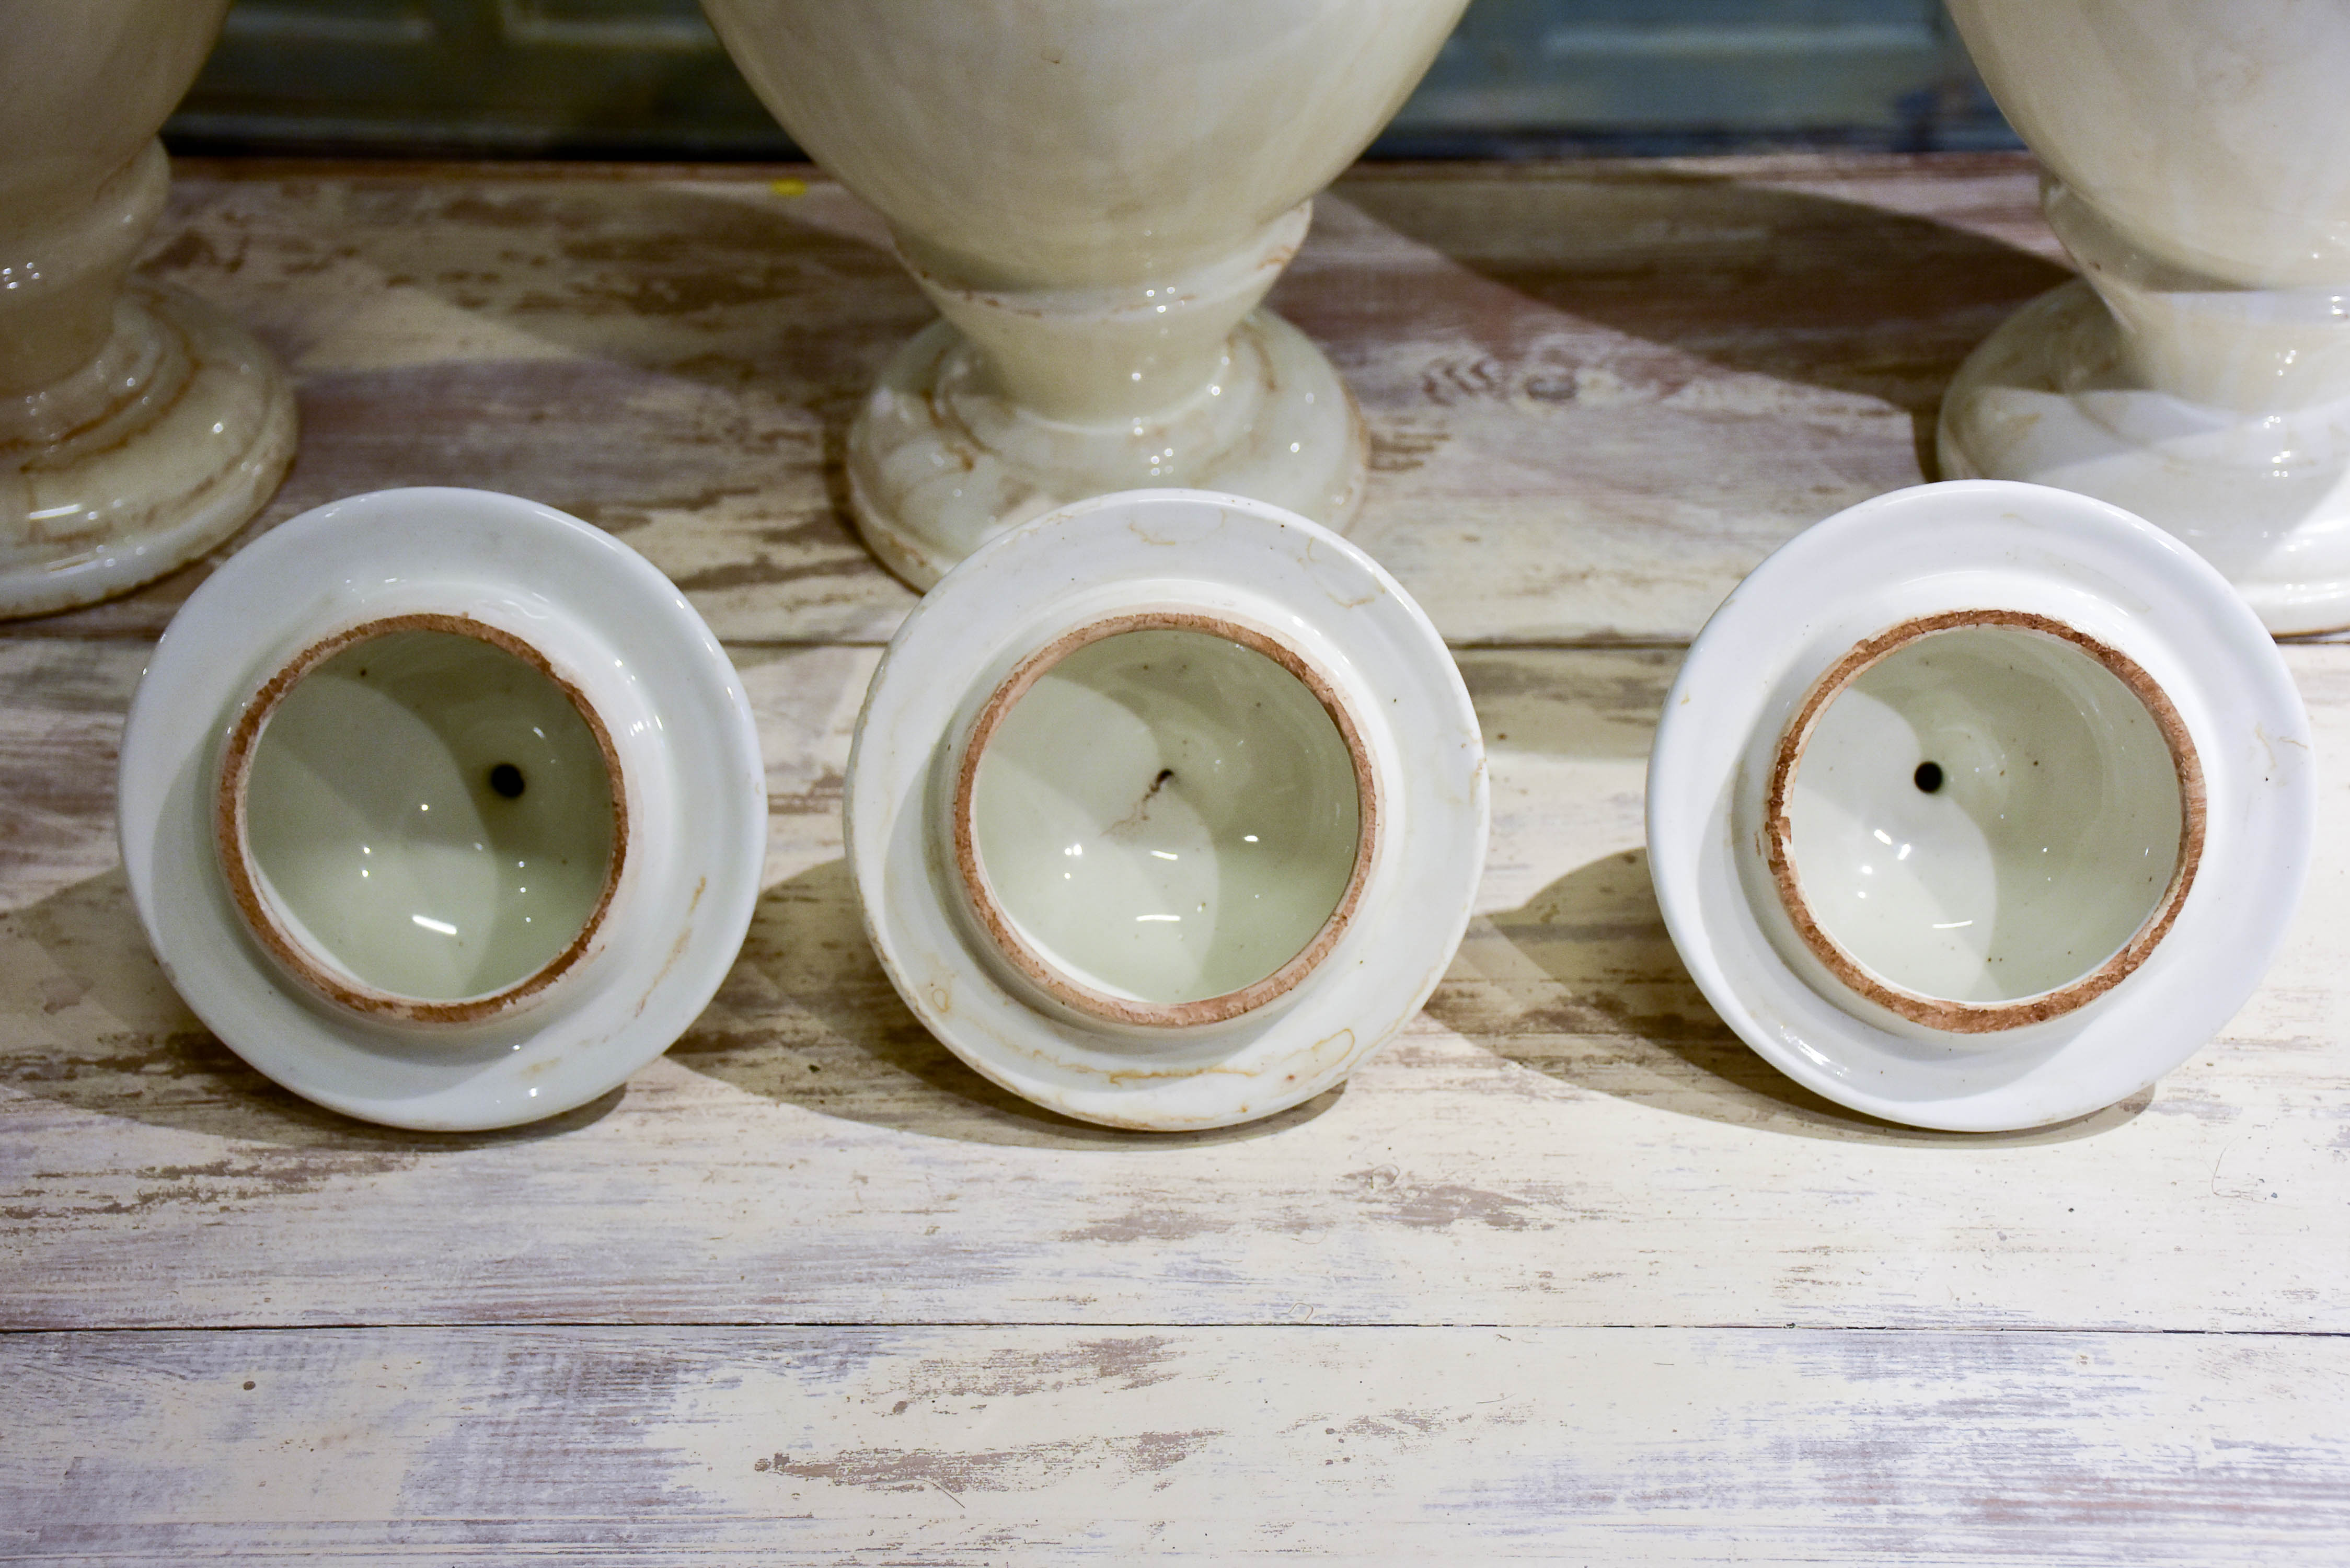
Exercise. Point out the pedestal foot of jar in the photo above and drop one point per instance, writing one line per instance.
(2264, 497)
(939, 461)
(162, 448)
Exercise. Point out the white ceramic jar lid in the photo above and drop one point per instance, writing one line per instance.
(1981, 805)
(442, 809)
(1165, 808)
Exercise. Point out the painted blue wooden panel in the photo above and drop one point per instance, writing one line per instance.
(646, 77)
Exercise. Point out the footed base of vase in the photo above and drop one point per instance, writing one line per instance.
(159, 450)
(939, 462)
(2265, 497)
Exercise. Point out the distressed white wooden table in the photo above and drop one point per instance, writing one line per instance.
(1565, 1274)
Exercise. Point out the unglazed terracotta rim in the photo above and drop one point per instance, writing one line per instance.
(1974, 1017)
(978, 893)
(232, 848)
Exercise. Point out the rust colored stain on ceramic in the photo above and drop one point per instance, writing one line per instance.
(1206, 1010)
(236, 859)
(1975, 1017)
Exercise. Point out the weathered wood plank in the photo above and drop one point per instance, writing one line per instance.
(1566, 1136)
(1598, 392)
(990, 1446)
(61, 707)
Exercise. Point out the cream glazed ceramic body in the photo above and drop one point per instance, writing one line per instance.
(1095, 196)
(442, 809)
(1166, 809)
(1981, 805)
(2200, 374)
(139, 428)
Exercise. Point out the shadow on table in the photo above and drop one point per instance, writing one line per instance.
(115, 1040)
(808, 1018)
(1798, 287)
(652, 352)
(1582, 983)
(677, 366)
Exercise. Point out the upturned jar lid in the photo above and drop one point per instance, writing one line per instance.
(1166, 809)
(1981, 805)
(442, 809)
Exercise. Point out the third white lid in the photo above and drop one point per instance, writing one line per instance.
(1981, 805)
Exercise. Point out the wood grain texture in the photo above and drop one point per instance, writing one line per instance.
(954, 1329)
(1650, 1445)
(1612, 388)
(1566, 1136)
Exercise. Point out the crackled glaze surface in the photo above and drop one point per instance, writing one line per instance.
(1095, 197)
(138, 427)
(2194, 174)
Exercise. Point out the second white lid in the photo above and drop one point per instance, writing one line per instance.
(1165, 808)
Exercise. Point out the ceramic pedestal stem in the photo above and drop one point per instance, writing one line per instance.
(2199, 374)
(139, 428)
(1022, 400)
(1096, 199)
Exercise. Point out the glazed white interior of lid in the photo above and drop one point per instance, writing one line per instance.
(1167, 815)
(1984, 814)
(431, 814)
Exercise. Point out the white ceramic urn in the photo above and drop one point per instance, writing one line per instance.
(2199, 375)
(1096, 194)
(139, 428)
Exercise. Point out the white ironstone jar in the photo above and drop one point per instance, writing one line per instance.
(1095, 196)
(2199, 375)
(139, 428)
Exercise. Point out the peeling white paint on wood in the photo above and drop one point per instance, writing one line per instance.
(1568, 1136)
(1599, 393)
(1652, 1446)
